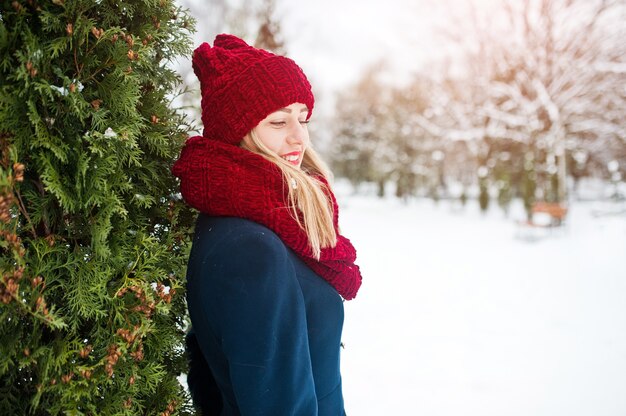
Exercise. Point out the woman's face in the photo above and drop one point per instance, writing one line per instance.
(285, 132)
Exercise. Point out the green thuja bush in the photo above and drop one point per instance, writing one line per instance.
(93, 238)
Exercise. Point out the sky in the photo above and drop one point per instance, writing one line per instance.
(335, 41)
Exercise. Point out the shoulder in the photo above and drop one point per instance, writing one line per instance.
(232, 237)
(237, 257)
(229, 230)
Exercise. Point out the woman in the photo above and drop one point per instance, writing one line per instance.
(268, 268)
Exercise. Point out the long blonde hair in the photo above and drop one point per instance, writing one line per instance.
(308, 203)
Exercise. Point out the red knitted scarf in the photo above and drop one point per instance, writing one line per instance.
(225, 180)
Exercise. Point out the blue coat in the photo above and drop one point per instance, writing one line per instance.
(266, 329)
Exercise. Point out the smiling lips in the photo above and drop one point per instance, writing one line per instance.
(293, 158)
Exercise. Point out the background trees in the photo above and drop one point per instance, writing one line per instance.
(532, 98)
(92, 235)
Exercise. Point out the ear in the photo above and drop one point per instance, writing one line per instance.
(227, 41)
(247, 140)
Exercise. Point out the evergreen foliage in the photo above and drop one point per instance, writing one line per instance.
(92, 235)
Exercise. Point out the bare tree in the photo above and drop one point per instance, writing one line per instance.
(360, 149)
(546, 73)
(268, 35)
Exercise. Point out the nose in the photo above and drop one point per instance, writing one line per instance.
(297, 134)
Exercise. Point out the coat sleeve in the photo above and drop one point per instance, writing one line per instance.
(202, 386)
(252, 300)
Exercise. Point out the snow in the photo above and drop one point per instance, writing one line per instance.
(461, 314)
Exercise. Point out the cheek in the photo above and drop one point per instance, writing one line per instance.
(306, 141)
(271, 138)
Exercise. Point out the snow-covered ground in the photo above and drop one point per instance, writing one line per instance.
(462, 313)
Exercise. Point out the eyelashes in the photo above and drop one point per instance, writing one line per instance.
(284, 123)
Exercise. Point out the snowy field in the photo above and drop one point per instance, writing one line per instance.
(460, 314)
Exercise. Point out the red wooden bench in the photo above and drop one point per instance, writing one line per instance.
(556, 211)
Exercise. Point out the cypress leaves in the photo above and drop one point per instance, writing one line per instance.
(93, 239)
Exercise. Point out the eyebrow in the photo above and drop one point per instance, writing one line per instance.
(304, 109)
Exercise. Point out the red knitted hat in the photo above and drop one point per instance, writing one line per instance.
(241, 85)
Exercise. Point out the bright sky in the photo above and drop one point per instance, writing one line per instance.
(335, 40)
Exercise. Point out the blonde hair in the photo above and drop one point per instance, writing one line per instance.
(308, 202)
